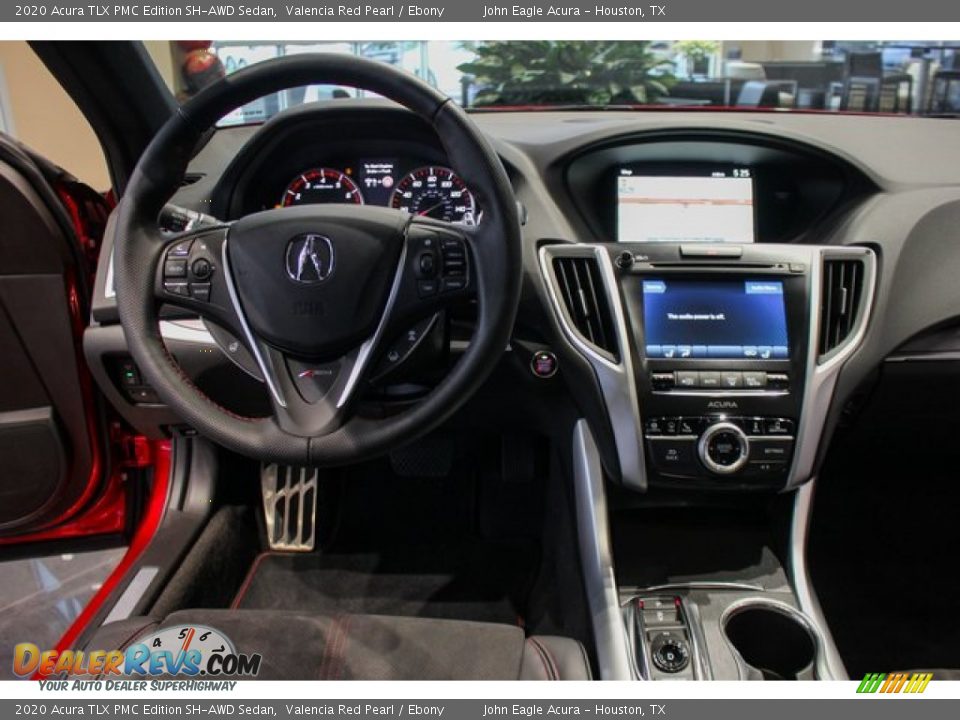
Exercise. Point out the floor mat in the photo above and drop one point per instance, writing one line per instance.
(482, 582)
(884, 550)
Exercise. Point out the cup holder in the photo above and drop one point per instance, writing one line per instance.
(774, 641)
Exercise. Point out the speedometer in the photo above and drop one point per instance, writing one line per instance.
(321, 185)
(435, 192)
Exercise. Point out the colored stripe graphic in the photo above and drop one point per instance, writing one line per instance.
(914, 683)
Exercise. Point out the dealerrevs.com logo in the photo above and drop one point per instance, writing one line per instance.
(189, 651)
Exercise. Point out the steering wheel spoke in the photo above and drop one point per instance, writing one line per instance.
(312, 398)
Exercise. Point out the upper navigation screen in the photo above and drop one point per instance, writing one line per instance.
(713, 206)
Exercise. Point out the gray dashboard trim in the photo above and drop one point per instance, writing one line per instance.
(593, 532)
(822, 373)
(829, 663)
(616, 377)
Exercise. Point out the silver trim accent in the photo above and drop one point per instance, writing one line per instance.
(297, 482)
(821, 378)
(617, 380)
(829, 664)
(131, 596)
(609, 631)
(693, 585)
(363, 356)
(698, 643)
(266, 371)
(784, 609)
(191, 331)
(709, 462)
(936, 356)
(109, 288)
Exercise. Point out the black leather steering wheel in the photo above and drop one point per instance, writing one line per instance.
(316, 291)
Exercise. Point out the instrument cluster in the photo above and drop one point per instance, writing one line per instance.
(427, 190)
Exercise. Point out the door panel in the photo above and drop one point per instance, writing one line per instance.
(50, 450)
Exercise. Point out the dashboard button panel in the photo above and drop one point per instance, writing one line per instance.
(720, 448)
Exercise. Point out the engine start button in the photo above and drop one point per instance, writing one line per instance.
(544, 364)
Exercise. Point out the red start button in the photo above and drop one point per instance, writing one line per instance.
(544, 364)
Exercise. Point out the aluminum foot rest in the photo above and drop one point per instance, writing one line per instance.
(289, 506)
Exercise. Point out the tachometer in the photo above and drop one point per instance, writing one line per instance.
(321, 185)
(435, 192)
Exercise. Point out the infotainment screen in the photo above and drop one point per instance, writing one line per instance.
(709, 206)
(743, 318)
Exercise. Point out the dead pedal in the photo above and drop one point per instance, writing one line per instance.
(289, 506)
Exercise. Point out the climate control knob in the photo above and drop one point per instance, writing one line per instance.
(723, 448)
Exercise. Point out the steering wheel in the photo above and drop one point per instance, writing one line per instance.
(316, 292)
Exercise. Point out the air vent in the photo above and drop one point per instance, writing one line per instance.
(840, 301)
(582, 290)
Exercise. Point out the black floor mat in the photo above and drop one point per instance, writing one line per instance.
(483, 582)
(884, 548)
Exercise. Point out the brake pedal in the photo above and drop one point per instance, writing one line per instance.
(289, 506)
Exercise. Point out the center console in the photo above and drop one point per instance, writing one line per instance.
(717, 365)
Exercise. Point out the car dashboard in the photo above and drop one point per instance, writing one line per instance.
(826, 225)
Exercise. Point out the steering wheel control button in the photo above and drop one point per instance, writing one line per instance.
(201, 268)
(175, 269)
(428, 265)
(723, 448)
(200, 291)
(177, 288)
(452, 284)
(544, 364)
(180, 249)
(669, 652)
(454, 257)
(426, 288)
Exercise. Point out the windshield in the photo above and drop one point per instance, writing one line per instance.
(911, 78)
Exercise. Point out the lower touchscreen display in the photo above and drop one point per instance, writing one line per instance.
(744, 318)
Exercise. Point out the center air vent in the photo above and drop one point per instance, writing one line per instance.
(840, 301)
(582, 291)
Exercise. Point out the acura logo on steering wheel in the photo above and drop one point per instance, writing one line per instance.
(310, 258)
